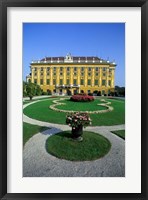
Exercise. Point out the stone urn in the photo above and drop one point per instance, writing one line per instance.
(77, 132)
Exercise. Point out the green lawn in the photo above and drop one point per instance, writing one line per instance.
(81, 106)
(29, 130)
(120, 133)
(92, 147)
(41, 111)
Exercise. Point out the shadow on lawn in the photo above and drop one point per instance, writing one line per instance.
(66, 134)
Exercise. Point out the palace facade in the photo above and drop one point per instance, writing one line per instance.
(74, 73)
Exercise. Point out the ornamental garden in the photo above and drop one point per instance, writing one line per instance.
(77, 113)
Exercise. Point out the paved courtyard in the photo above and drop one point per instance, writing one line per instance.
(38, 163)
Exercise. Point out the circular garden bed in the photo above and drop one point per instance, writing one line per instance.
(93, 146)
(41, 111)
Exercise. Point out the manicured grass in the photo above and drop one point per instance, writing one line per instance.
(81, 106)
(92, 147)
(42, 112)
(29, 130)
(120, 133)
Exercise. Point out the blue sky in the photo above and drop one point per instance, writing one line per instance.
(105, 40)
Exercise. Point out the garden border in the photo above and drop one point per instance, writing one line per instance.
(109, 108)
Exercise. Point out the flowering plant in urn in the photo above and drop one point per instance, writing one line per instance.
(77, 121)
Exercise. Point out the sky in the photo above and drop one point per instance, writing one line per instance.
(105, 40)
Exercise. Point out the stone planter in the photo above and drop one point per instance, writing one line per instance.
(77, 133)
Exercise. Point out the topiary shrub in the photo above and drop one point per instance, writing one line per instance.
(99, 93)
(44, 93)
(82, 98)
(49, 92)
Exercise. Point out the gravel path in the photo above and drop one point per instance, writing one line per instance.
(38, 163)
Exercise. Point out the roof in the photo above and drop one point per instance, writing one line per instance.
(73, 59)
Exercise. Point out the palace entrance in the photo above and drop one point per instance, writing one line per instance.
(67, 89)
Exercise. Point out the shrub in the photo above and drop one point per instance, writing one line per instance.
(44, 93)
(95, 92)
(49, 92)
(82, 98)
(99, 93)
(68, 92)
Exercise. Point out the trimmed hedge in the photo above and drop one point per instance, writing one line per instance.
(82, 98)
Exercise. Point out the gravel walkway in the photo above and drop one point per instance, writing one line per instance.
(38, 163)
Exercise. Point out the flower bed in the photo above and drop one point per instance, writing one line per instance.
(82, 98)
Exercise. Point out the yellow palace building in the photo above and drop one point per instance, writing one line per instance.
(75, 73)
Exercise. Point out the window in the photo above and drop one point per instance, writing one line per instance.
(103, 82)
(110, 70)
(68, 73)
(97, 68)
(54, 73)
(75, 69)
(41, 73)
(67, 82)
(104, 69)
(109, 82)
(68, 69)
(35, 69)
(35, 81)
(35, 74)
(96, 82)
(61, 73)
(61, 81)
(88, 91)
(103, 92)
(82, 74)
(47, 82)
(104, 74)
(54, 69)
(48, 68)
(47, 73)
(82, 82)
(75, 81)
(41, 81)
(41, 68)
(89, 74)
(82, 68)
(88, 82)
(96, 74)
(75, 74)
(61, 69)
(89, 69)
(54, 81)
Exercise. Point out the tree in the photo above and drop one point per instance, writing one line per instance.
(120, 91)
(38, 90)
(31, 90)
(24, 89)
